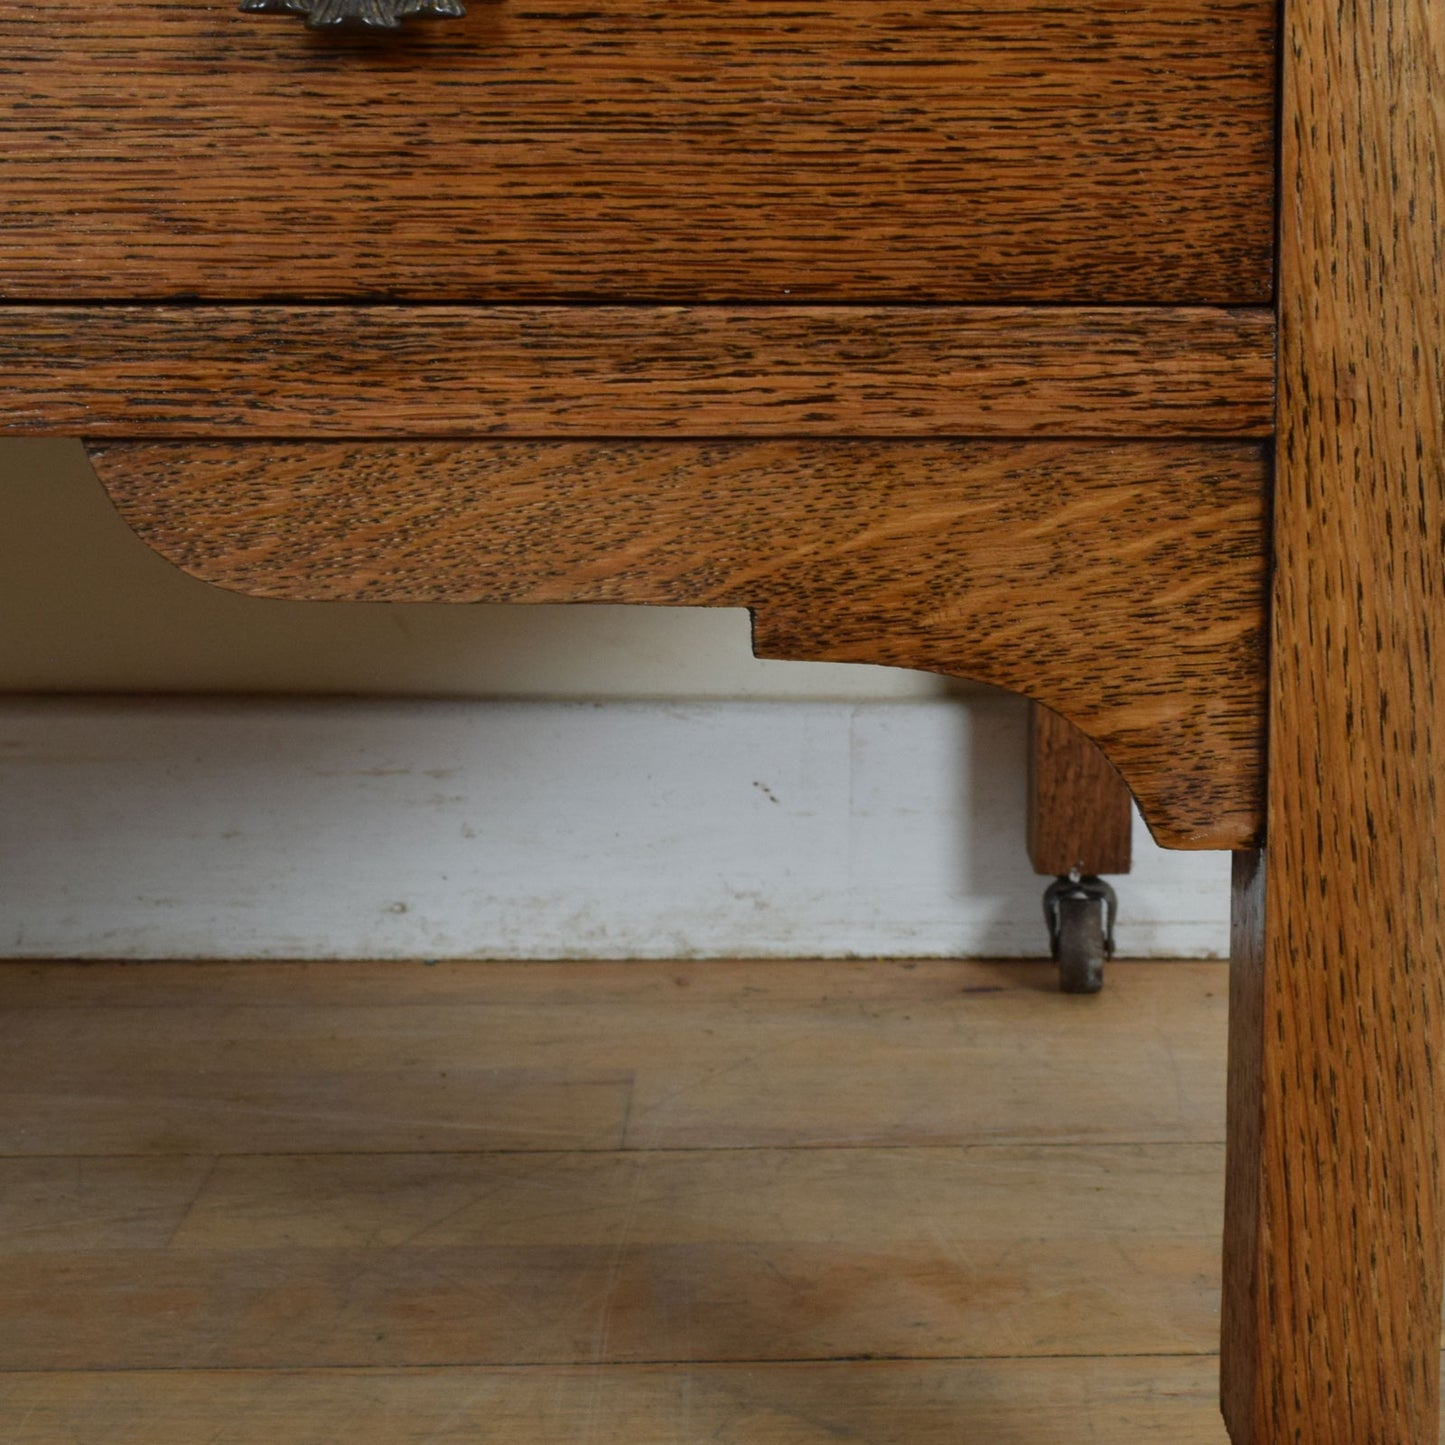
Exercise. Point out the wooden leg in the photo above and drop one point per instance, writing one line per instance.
(1333, 1204)
(1080, 813)
(1080, 820)
(1333, 1197)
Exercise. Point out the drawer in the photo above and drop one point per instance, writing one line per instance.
(1000, 150)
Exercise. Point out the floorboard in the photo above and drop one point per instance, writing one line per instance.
(217, 1058)
(964, 1402)
(762, 1203)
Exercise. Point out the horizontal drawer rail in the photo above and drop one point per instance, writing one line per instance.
(443, 371)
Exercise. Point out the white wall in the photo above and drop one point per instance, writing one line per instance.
(646, 789)
(87, 607)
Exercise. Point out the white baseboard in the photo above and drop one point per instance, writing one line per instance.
(413, 829)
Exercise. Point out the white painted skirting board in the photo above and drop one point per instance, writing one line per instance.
(380, 829)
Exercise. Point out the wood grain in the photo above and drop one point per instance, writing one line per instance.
(970, 558)
(1001, 1402)
(1332, 1321)
(1080, 812)
(1013, 150)
(1036, 1225)
(175, 1060)
(389, 1254)
(1073, 1238)
(538, 1258)
(248, 371)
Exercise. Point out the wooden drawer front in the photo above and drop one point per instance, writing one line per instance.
(1007, 150)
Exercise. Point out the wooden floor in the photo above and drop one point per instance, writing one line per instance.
(749, 1203)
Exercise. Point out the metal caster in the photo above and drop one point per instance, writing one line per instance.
(1080, 912)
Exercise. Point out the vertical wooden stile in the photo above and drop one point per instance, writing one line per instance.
(1333, 1281)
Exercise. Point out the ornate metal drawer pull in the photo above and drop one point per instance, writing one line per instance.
(368, 14)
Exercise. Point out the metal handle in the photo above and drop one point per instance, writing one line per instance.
(368, 14)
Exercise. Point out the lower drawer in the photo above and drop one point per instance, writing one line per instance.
(752, 150)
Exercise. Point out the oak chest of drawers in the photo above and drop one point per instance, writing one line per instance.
(940, 336)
